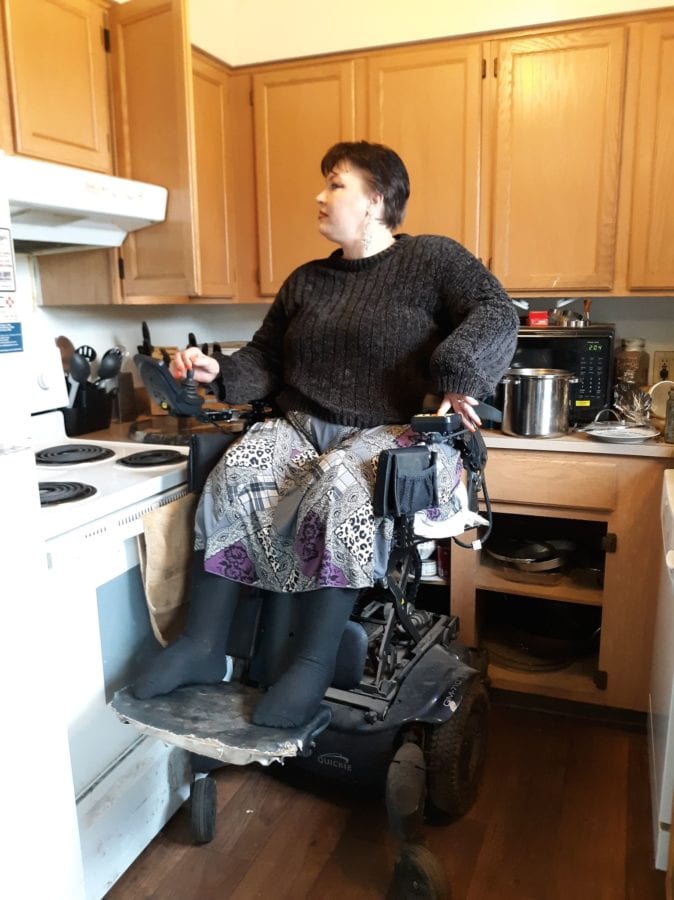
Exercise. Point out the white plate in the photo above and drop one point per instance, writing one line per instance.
(624, 434)
(659, 394)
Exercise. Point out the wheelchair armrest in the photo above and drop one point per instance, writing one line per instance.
(205, 451)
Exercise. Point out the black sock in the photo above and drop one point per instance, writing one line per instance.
(294, 699)
(198, 656)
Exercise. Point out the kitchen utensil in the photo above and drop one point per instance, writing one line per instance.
(146, 347)
(536, 402)
(87, 352)
(191, 340)
(111, 363)
(204, 349)
(79, 373)
(165, 358)
(66, 348)
(216, 347)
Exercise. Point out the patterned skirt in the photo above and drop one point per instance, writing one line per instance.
(288, 508)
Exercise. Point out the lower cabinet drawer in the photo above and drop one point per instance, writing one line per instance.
(551, 480)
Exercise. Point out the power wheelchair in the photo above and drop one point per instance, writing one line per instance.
(407, 710)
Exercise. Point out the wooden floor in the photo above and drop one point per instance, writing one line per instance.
(563, 812)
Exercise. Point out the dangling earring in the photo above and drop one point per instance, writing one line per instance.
(368, 237)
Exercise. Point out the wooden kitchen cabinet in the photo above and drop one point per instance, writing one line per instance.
(556, 148)
(427, 104)
(171, 116)
(299, 113)
(58, 81)
(651, 248)
(615, 497)
(213, 232)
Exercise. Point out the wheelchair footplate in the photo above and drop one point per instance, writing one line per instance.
(214, 721)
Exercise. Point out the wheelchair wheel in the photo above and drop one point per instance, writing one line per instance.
(418, 873)
(203, 809)
(455, 756)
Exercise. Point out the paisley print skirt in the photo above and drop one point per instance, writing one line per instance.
(289, 506)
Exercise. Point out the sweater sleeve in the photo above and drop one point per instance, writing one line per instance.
(256, 370)
(481, 322)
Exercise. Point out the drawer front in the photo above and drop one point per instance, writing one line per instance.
(546, 480)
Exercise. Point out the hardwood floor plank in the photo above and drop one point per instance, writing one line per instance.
(564, 810)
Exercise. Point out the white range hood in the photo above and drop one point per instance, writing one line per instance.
(55, 208)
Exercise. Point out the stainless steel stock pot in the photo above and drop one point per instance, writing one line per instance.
(536, 402)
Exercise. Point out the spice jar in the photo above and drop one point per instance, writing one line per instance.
(669, 418)
(632, 359)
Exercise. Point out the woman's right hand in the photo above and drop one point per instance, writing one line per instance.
(205, 368)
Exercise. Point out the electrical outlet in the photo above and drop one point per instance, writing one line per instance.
(663, 365)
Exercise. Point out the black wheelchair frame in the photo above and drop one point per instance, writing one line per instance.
(407, 709)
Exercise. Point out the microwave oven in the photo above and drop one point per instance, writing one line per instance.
(586, 352)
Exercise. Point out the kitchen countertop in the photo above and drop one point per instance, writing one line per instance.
(578, 442)
(575, 442)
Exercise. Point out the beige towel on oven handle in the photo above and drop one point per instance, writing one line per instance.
(165, 549)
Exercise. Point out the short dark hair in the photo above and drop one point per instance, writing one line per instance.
(384, 171)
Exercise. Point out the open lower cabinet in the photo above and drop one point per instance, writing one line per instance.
(582, 632)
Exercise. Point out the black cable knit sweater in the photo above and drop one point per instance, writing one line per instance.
(361, 341)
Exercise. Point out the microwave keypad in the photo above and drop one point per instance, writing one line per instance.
(591, 375)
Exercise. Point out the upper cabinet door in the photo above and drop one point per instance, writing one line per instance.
(212, 171)
(426, 105)
(556, 162)
(299, 113)
(152, 68)
(58, 81)
(651, 258)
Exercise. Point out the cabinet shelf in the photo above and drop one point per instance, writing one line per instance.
(574, 682)
(488, 577)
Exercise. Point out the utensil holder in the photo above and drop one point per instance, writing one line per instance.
(92, 411)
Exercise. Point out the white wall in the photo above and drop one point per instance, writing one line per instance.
(249, 31)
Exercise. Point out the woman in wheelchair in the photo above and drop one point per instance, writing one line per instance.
(351, 348)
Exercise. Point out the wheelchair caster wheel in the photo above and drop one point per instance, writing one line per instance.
(203, 809)
(418, 873)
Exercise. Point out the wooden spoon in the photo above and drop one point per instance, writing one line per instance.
(67, 348)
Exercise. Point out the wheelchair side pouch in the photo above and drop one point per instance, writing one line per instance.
(406, 481)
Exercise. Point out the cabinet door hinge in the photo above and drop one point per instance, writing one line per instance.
(496, 67)
(120, 267)
(106, 40)
(609, 543)
(484, 68)
(600, 678)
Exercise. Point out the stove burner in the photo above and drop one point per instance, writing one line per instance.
(152, 458)
(53, 492)
(70, 454)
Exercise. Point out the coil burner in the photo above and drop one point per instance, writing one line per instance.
(54, 492)
(147, 458)
(71, 454)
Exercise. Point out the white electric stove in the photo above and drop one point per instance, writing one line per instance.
(111, 475)
(93, 505)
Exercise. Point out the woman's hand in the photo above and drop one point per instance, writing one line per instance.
(463, 405)
(205, 368)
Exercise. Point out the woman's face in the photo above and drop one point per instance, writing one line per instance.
(343, 204)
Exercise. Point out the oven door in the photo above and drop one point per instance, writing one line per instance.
(127, 786)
